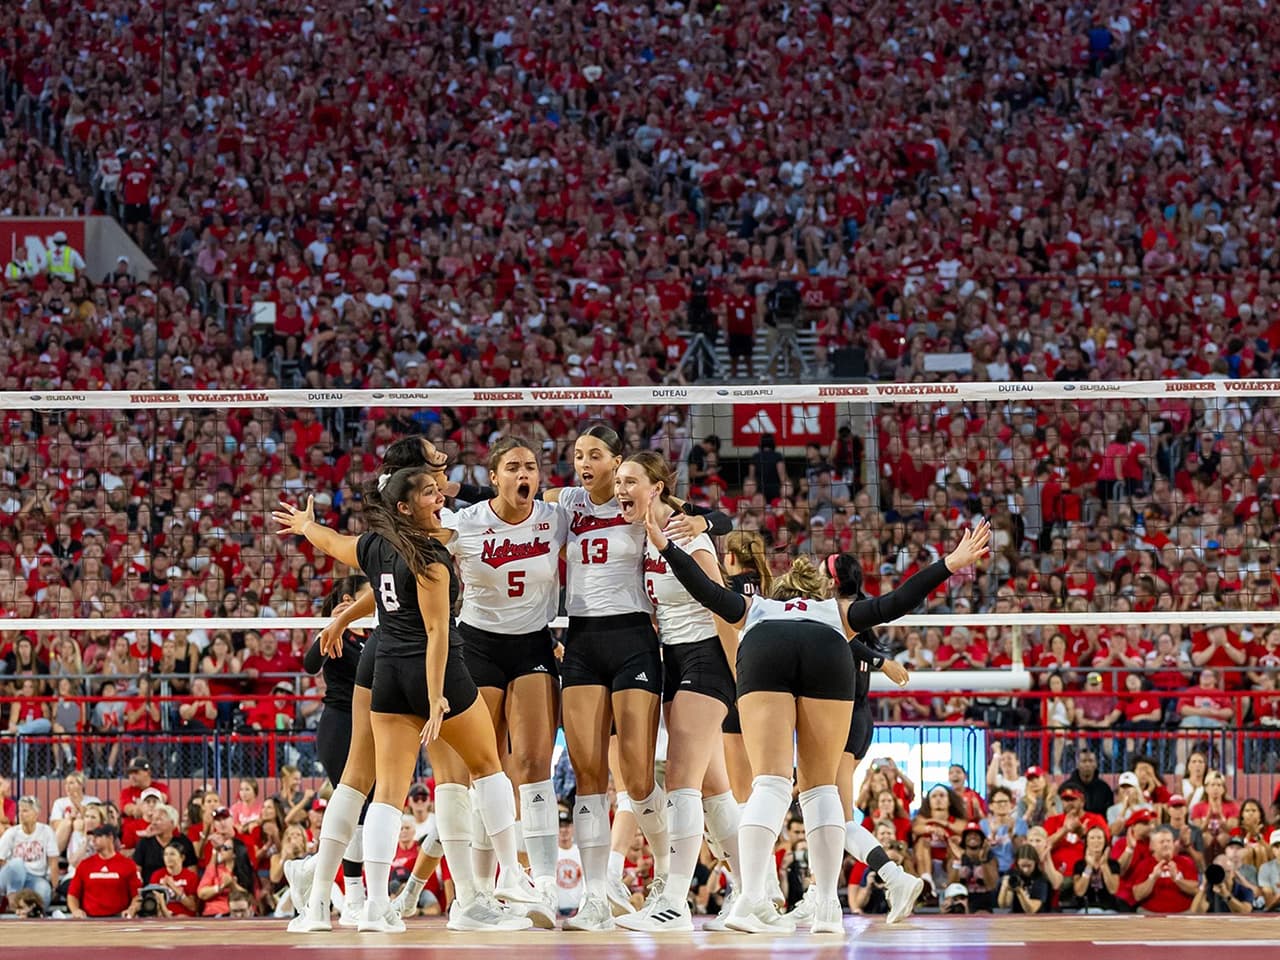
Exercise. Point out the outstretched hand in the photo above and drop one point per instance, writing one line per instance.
(973, 546)
(291, 519)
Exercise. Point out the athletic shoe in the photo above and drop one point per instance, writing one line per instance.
(803, 913)
(387, 922)
(484, 913)
(544, 912)
(305, 922)
(902, 892)
(351, 915)
(516, 887)
(594, 916)
(716, 923)
(760, 916)
(654, 897)
(619, 897)
(300, 875)
(401, 909)
(827, 917)
(775, 894)
(662, 916)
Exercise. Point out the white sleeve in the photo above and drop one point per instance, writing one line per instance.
(6, 844)
(60, 807)
(50, 841)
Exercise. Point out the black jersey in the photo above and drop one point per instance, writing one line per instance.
(746, 584)
(395, 588)
(862, 667)
(339, 672)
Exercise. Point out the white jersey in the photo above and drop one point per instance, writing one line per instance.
(681, 619)
(764, 610)
(510, 571)
(568, 878)
(604, 559)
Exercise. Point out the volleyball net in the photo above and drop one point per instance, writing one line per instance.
(1134, 526)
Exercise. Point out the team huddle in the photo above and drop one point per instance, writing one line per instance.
(763, 684)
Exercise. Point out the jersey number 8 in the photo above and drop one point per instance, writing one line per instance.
(387, 592)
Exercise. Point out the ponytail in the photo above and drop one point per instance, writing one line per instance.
(747, 548)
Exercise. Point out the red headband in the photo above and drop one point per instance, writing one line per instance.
(831, 567)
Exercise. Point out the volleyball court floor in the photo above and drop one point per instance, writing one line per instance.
(977, 937)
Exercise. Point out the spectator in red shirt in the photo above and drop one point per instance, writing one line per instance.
(1143, 710)
(1132, 850)
(1166, 882)
(272, 659)
(975, 807)
(179, 882)
(1203, 707)
(1067, 830)
(1221, 649)
(106, 884)
(961, 652)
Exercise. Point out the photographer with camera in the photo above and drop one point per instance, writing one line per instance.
(782, 316)
(172, 888)
(1024, 889)
(955, 899)
(1166, 882)
(703, 331)
(973, 866)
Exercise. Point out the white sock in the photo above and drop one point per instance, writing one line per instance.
(684, 821)
(723, 816)
(453, 820)
(353, 889)
(413, 890)
(861, 842)
(539, 815)
(651, 814)
(382, 827)
(591, 828)
(341, 817)
(617, 863)
(824, 830)
(496, 801)
(762, 820)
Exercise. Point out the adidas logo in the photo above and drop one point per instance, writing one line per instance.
(760, 423)
(642, 676)
(488, 533)
(540, 669)
(666, 916)
(647, 811)
(584, 809)
(685, 682)
(537, 798)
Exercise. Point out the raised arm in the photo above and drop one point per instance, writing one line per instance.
(302, 523)
(864, 614)
(725, 604)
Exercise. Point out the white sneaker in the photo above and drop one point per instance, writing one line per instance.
(758, 917)
(351, 914)
(401, 909)
(827, 917)
(484, 913)
(655, 895)
(775, 894)
(516, 887)
(803, 913)
(299, 875)
(717, 923)
(386, 922)
(902, 893)
(663, 916)
(619, 897)
(544, 912)
(305, 922)
(594, 915)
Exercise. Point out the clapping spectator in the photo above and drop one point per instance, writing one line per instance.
(1165, 882)
(973, 864)
(1096, 876)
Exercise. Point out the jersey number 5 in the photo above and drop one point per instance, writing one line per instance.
(595, 551)
(515, 583)
(387, 592)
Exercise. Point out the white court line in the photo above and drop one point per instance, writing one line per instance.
(1186, 943)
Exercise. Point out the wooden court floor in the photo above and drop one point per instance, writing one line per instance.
(996, 938)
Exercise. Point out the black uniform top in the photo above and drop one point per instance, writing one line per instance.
(402, 632)
(339, 672)
(746, 584)
(861, 665)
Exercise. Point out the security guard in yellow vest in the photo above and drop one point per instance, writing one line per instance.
(64, 261)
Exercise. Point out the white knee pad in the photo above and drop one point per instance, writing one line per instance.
(382, 822)
(496, 801)
(591, 821)
(538, 810)
(768, 804)
(821, 807)
(453, 812)
(430, 842)
(480, 838)
(355, 849)
(342, 815)
(684, 814)
(722, 816)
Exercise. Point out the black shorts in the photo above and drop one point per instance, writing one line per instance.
(400, 685)
(333, 741)
(732, 723)
(495, 660)
(741, 344)
(860, 727)
(799, 657)
(619, 652)
(699, 667)
(137, 213)
(364, 669)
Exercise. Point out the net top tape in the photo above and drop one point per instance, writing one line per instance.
(638, 396)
